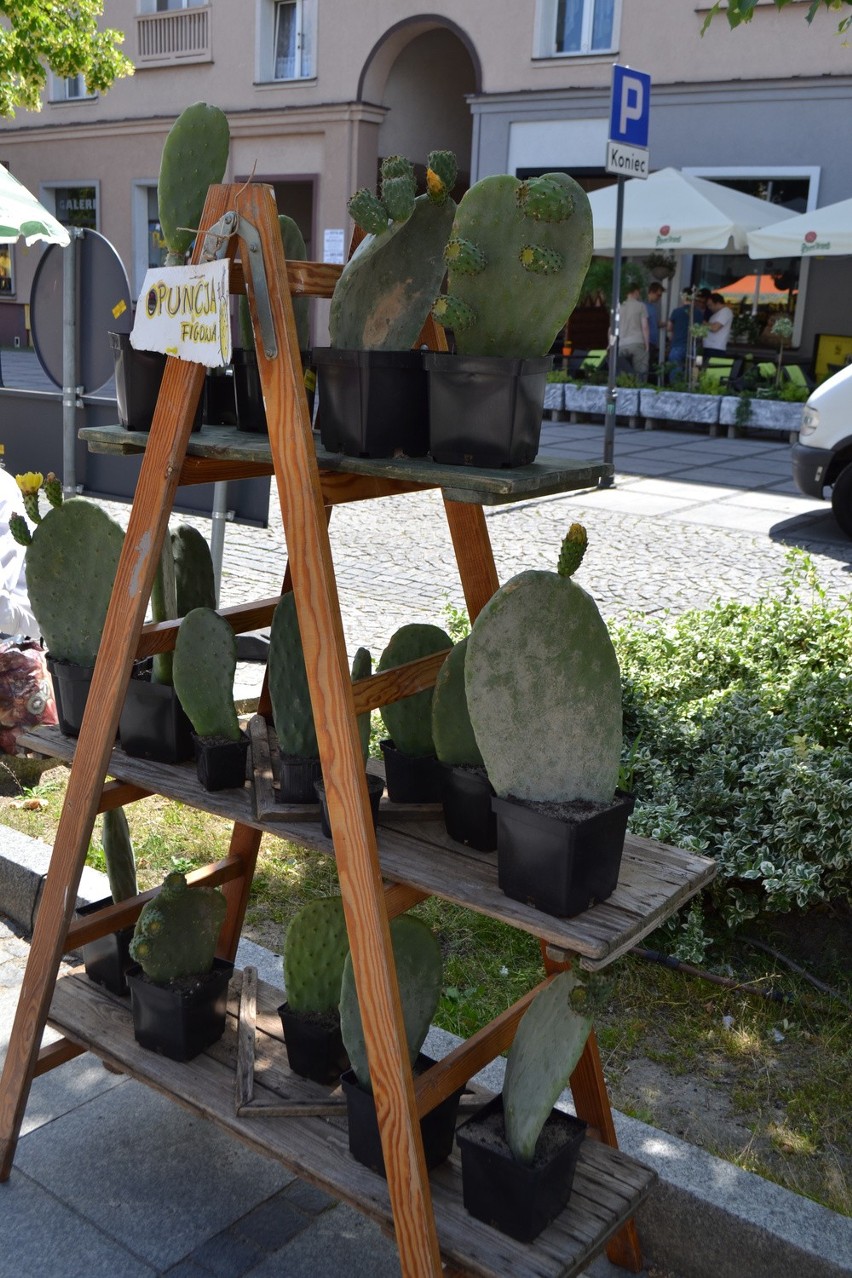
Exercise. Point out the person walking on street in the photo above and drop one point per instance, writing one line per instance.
(633, 332)
(653, 304)
(719, 323)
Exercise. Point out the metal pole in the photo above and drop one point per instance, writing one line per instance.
(614, 321)
(69, 363)
(218, 519)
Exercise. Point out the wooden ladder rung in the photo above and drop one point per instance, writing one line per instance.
(55, 1054)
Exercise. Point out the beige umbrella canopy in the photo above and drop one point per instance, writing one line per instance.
(22, 217)
(825, 232)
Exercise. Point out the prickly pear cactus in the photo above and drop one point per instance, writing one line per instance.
(185, 583)
(195, 156)
(517, 259)
(288, 685)
(452, 730)
(419, 970)
(547, 1046)
(70, 565)
(294, 250)
(118, 854)
(409, 721)
(362, 668)
(204, 666)
(176, 933)
(315, 950)
(384, 293)
(544, 688)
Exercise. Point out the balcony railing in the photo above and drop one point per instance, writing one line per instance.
(180, 36)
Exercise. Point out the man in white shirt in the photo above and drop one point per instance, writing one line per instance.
(721, 319)
(16, 616)
(633, 334)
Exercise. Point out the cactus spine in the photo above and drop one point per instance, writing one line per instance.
(419, 967)
(118, 854)
(176, 933)
(409, 721)
(204, 666)
(384, 293)
(315, 950)
(517, 259)
(544, 688)
(452, 729)
(195, 156)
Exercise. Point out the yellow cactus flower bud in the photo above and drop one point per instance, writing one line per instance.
(31, 482)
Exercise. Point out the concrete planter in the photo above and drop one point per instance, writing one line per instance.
(763, 414)
(679, 406)
(592, 400)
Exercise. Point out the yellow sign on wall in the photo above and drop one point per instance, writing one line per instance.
(185, 311)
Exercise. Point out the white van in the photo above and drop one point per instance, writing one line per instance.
(823, 456)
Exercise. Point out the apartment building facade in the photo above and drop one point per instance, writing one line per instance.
(317, 91)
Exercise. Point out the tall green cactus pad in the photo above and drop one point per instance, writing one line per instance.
(118, 854)
(195, 156)
(544, 691)
(288, 685)
(452, 730)
(204, 667)
(517, 260)
(419, 969)
(547, 1046)
(384, 293)
(362, 668)
(184, 583)
(409, 721)
(293, 243)
(315, 949)
(71, 564)
(176, 933)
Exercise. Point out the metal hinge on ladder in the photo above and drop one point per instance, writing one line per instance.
(215, 247)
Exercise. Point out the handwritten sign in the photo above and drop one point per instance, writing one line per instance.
(185, 311)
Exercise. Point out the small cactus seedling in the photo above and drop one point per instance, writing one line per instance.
(315, 950)
(452, 730)
(118, 854)
(204, 667)
(516, 259)
(544, 687)
(384, 293)
(409, 721)
(176, 933)
(547, 1046)
(195, 156)
(419, 969)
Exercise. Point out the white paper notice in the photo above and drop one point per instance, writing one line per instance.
(185, 311)
(332, 246)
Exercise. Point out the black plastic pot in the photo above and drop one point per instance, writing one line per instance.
(153, 724)
(466, 794)
(560, 866)
(372, 403)
(70, 692)
(375, 789)
(221, 765)
(314, 1046)
(138, 375)
(297, 779)
(107, 959)
(251, 412)
(220, 405)
(519, 1199)
(411, 778)
(485, 410)
(365, 1144)
(180, 1019)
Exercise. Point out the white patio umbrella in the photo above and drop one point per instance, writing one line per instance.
(825, 232)
(672, 211)
(22, 217)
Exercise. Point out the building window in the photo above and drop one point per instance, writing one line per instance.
(286, 31)
(70, 90)
(577, 27)
(76, 205)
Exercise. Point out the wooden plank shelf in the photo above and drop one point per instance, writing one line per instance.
(608, 1186)
(655, 879)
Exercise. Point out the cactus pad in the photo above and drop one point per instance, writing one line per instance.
(362, 668)
(441, 174)
(398, 187)
(288, 685)
(315, 950)
(118, 854)
(204, 667)
(409, 721)
(451, 726)
(176, 933)
(195, 156)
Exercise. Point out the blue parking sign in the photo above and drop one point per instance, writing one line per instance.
(631, 106)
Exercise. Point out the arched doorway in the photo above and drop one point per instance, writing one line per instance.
(421, 71)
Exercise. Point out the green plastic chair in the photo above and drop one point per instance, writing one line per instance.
(795, 373)
(594, 359)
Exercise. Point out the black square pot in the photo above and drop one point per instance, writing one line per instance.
(250, 409)
(107, 959)
(484, 410)
(466, 794)
(153, 724)
(375, 789)
(220, 403)
(180, 1020)
(314, 1045)
(411, 778)
(365, 1144)
(372, 403)
(560, 867)
(297, 779)
(221, 765)
(519, 1199)
(70, 692)
(138, 375)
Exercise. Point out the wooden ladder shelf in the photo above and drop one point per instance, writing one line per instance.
(378, 878)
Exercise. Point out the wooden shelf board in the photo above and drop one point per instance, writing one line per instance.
(655, 879)
(608, 1187)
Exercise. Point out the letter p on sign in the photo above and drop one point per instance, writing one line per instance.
(631, 106)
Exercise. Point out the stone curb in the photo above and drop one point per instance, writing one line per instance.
(705, 1218)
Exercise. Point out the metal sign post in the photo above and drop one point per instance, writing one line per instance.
(626, 154)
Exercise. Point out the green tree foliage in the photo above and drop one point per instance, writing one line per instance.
(57, 35)
(738, 11)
